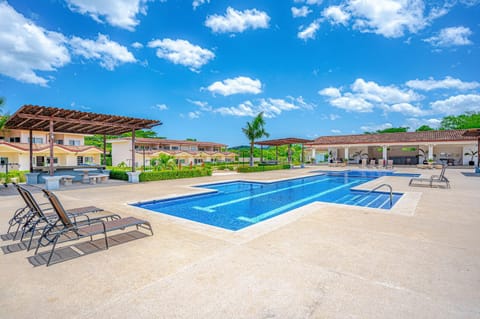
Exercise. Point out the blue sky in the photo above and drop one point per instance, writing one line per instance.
(206, 67)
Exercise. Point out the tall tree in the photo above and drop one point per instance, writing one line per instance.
(255, 130)
(3, 118)
(460, 122)
(424, 128)
(389, 130)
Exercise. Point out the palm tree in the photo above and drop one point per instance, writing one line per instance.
(255, 130)
(3, 118)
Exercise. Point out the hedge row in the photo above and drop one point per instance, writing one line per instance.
(248, 169)
(175, 174)
(162, 175)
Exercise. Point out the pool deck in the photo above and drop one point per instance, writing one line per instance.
(420, 260)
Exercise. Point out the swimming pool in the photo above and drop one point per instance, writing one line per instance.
(239, 204)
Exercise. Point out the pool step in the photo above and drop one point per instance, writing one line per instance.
(373, 200)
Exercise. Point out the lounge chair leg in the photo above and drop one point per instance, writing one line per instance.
(53, 248)
(106, 240)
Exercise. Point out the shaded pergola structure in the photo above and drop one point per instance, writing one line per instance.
(475, 132)
(52, 119)
(283, 141)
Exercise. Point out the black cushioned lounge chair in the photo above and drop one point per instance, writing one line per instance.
(36, 216)
(434, 180)
(64, 226)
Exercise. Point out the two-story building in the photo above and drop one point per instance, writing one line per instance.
(184, 152)
(69, 150)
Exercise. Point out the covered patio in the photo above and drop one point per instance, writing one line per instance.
(283, 141)
(52, 119)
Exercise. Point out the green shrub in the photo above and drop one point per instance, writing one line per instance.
(20, 175)
(119, 174)
(248, 169)
(174, 174)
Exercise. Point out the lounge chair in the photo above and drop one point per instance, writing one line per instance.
(389, 164)
(434, 179)
(364, 163)
(372, 164)
(381, 163)
(36, 216)
(65, 226)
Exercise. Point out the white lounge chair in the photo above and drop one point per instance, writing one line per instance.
(434, 180)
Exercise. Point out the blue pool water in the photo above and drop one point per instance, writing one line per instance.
(239, 204)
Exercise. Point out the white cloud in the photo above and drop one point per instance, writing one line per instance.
(300, 12)
(353, 103)
(390, 18)
(238, 85)
(330, 92)
(161, 107)
(197, 3)
(373, 128)
(238, 21)
(374, 92)
(182, 52)
(26, 48)
(406, 108)
(137, 45)
(310, 31)
(415, 122)
(271, 107)
(334, 131)
(458, 104)
(454, 36)
(202, 105)
(447, 83)
(194, 115)
(336, 14)
(309, 2)
(333, 117)
(109, 53)
(118, 13)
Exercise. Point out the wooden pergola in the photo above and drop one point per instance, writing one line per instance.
(475, 132)
(52, 119)
(283, 141)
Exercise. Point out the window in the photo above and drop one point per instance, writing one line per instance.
(88, 159)
(14, 139)
(74, 142)
(79, 160)
(36, 140)
(174, 148)
(201, 149)
(59, 142)
(3, 160)
(193, 148)
(55, 160)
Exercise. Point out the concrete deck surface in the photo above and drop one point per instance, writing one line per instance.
(420, 260)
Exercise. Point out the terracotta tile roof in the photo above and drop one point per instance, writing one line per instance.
(45, 147)
(161, 141)
(192, 153)
(386, 138)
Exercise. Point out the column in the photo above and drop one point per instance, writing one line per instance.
(384, 153)
(346, 153)
(430, 152)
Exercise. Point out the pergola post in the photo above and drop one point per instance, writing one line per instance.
(303, 154)
(133, 150)
(50, 135)
(105, 149)
(276, 153)
(261, 153)
(30, 149)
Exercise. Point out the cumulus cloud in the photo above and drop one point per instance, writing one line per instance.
(330, 92)
(161, 107)
(366, 95)
(454, 36)
(406, 108)
(458, 104)
(238, 85)
(373, 128)
(416, 122)
(118, 13)
(374, 92)
(109, 53)
(336, 14)
(271, 107)
(300, 12)
(182, 52)
(309, 2)
(447, 83)
(310, 31)
(198, 3)
(350, 102)
(390, 18)
(194, 115)
(237, 21)
(26, 48)
(201, 104)
(137, 45)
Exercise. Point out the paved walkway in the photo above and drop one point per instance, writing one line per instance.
(421, 260)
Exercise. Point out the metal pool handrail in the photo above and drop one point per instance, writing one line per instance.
(382, 185)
